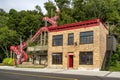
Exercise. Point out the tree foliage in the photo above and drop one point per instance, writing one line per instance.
(25, 22)
(7, 37)
(116, 57)
(63, 3)
(14, 25)
(50, 7)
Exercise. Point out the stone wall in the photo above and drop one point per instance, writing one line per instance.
(98, 47)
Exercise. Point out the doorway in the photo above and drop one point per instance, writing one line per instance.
(70, 61)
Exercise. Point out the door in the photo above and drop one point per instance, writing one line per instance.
(70, 61)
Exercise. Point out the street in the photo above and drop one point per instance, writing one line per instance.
(24, 75)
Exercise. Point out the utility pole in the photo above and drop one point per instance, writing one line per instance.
(20, 45)
(19, 56)
(45, 22)
(31, 34)
(51, 12)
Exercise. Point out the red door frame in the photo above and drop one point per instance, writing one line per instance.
(70, 60)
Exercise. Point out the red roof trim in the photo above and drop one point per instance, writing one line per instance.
(84, 24)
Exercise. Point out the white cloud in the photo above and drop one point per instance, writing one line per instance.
(22, 4)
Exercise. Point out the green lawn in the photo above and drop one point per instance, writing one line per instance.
(115, 68)
(30, 66)
(1, 64)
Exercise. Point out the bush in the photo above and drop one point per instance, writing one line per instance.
(8, 61)
(115, 68)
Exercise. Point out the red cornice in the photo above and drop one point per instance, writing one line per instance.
(83, 24)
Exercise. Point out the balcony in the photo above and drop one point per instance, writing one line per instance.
(37, 48)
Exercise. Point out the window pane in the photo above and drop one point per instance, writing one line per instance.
(57, 40)
(83, 60)
(86, 58)
(57, 58)
(86, 37)
(70, 39)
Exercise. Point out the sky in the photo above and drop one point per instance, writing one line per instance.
(22, 4)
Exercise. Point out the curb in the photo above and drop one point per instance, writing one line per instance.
(64, 71)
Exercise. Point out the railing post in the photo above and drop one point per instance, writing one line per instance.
(44, 38)
(11, 55)
(41, 39)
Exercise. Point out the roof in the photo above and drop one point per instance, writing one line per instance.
(77, 25)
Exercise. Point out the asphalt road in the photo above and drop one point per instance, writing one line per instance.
(23, 75)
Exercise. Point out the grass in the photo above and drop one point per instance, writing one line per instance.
(26, 66)
(33, 66)
(115, 68)
(1, 64)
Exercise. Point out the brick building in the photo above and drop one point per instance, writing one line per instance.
(80, 45)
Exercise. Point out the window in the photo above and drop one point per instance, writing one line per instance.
(57, 58)
(86, 58)
(57, 40)
(70, 39)
(86, 37)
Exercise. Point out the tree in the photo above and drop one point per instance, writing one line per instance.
(65, 18)
(78, 8)
(50, 7)
(3, 20)
(65, 15)
(2, 10)
(63, 4)
(7, 37)
(38, 8)
(4, 17)
(29, 23)
(116, 57)
(2, 55)
(24, 22)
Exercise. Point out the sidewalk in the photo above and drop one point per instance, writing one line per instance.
(64, 71)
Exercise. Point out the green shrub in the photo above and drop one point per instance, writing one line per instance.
(8, 61)
(115, 68)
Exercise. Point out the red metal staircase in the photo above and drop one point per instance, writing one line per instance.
(19, 50)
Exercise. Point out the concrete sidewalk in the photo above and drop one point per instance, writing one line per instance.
(64, 71)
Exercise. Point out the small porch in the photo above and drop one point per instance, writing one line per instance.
(38, 55)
